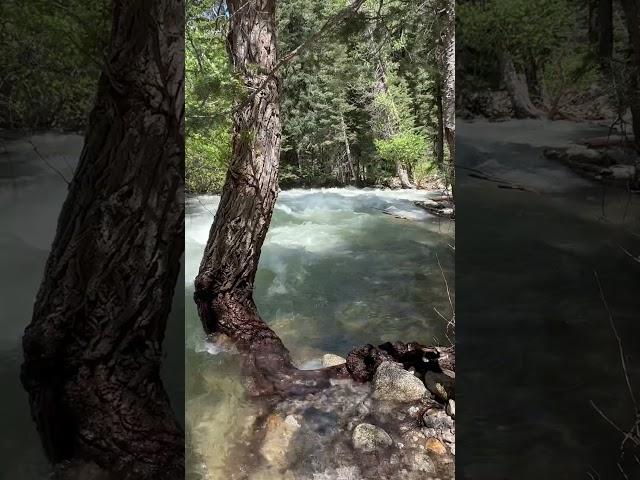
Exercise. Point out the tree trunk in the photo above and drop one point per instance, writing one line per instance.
(224, 285)
(347, 149)
(518, 89)
(449, 89)
(439, 144)
(605, 32)
(592, 23)
(93, 349)
(632, 14)
(403, 175)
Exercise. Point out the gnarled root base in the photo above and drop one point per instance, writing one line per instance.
(268, 364)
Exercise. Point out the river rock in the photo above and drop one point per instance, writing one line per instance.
(580, 153)
(422, 462)
(278, 438)
(437, 420)
(442, 386)
(393, 383)
(331, 360)
(369, 438)
(451, 408)
(436, 446)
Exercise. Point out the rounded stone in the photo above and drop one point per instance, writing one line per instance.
(369, 438)
(393, 383)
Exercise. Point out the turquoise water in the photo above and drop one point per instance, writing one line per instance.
(335, 272)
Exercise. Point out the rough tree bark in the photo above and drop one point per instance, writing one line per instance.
(632, 14)
(224, 285)
(93, 349)
(518, 89)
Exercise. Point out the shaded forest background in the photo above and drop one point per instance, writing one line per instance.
(361, 106)
(557, 59)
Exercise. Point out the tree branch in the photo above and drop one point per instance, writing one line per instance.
(332, 22)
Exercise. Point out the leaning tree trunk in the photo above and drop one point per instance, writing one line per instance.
(517, 89)
(93, 349)
(224, 285)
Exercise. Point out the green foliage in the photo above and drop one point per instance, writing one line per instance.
(51, 60)
(524, 28)
(407, 148)
(210, 92)
(332, 109)
(568, 73)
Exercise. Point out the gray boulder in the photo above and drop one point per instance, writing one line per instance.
(393, 383)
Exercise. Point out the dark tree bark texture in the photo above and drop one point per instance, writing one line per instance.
(224, 285)
(94, 346)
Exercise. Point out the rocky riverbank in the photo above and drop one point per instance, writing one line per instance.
(604, 159)
(398, 426)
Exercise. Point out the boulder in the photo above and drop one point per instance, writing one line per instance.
(331, 360)
(369, 438)
(393, 383)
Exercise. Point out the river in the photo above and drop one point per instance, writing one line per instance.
(336, 272)
(534, 342)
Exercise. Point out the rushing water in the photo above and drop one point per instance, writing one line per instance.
(31, 195)
(534, 340)
(335, 272)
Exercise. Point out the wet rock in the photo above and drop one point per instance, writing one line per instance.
(421, 462)
(278, 438)
(331, 360)
(580, 153)
(369, 438)
(436, 446)
(448, 436)
(451, 408)
(437, 420)
(622, 172)
(340, 473)
(442, 386)
(393, 383)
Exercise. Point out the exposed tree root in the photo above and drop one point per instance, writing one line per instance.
(268, 365)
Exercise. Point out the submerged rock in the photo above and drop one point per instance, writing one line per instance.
(422, 463)
(331, 360)
(369, 438)
(278, 438)
(393, 383)
(436, 446)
